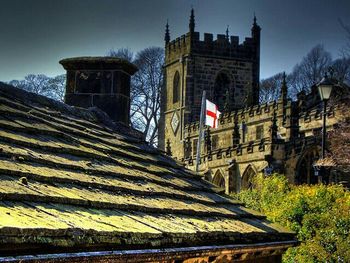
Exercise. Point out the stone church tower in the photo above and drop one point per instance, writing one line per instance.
(280, 136)
(227, 69)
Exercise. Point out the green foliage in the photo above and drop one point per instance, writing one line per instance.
(319, 214)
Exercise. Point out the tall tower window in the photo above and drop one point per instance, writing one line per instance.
(244, 132)
(194, 147)
(259, 132)
(176, 87)
(214, 142)
(222, 92)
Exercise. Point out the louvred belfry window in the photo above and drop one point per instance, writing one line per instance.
(222, 90)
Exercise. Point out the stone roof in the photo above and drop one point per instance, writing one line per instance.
(70, 179)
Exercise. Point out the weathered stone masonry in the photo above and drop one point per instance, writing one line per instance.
(281, 136)
(216, 66)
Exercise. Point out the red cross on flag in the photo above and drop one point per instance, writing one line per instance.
(212, 114)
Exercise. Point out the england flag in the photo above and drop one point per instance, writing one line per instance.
(212, 114)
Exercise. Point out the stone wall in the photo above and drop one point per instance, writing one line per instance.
(206, 70)
(174, 112)
(287, 152)
(254, 151)
(198, 63)
(280, 136)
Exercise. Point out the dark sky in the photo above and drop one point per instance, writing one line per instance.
(36, 34)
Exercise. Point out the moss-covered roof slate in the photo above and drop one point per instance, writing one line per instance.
(72, 179)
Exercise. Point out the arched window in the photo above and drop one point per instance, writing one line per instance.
(233, 178)
(219, 179)
(176, 87)
(223, 96)
(247, 178)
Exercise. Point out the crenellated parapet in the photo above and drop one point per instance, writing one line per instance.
(227, 68)
(221, 46)
(279, 136)
(247, 115)
(310, 120)
(245, 134)
(177, 48)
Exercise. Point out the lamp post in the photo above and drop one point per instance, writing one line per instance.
(324, 88)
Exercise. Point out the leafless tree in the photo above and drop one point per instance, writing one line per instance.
(146, 85)
(310, 70)
(124, 53)
(41, 84)
(36, 83)
(270, 88)
(345, 51)
(146, 92)
(56, 88)
(338, 141)
(341, 68)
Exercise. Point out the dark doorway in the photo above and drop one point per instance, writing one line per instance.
(305, 173)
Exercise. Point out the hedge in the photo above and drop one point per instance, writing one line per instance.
(319, 214)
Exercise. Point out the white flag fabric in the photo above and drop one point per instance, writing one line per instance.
(212, 114)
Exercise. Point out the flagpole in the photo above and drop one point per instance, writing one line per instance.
(201, 124)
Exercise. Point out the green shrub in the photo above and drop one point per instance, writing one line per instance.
(319, 214)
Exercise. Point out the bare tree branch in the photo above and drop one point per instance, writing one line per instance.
(41, 84)
(270, 88)
(145, 89)
(310, 70)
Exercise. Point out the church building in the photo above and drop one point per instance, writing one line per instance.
(280, 136)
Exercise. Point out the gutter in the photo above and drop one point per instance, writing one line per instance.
(236, 252)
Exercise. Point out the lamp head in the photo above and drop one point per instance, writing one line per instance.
(325, 87)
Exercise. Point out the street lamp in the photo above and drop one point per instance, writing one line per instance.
(324, 88)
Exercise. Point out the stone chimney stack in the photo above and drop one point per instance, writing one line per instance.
(102, 82)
